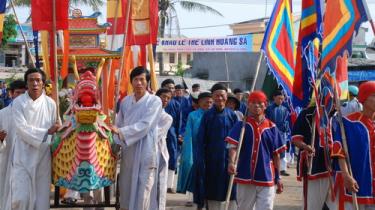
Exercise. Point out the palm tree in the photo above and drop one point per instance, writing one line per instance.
(94, 4)
(167, 12)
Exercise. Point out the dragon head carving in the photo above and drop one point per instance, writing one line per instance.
(86, 99)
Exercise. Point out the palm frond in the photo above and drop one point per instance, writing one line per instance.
(94, 4)
(195, 6)
(22, 3)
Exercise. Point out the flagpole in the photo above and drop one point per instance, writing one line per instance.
(55, 60)
(23, 35)
(109, 67)
(152, 68)
(257, 71)
(117, 93)
(242, 133)
(237, 157)
(344, 142)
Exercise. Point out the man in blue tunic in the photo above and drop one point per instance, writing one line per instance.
(280, 115)
(172, 109)
(186, 106)
(212, 153)
(258, 167)
(360, 135)
(186, 178)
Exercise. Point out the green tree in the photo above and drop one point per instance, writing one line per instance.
(167, 11)
(180, 69)
(9, 30)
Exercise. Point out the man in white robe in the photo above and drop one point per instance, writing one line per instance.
(6, 143)
(165, 121)
(34, 119)
(136, 123)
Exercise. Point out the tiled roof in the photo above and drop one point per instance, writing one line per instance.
(80, 23)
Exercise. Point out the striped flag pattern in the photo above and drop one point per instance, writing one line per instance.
(307, 57)
(278, 45)
(342, 19)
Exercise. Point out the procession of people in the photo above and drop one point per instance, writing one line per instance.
(156, 152)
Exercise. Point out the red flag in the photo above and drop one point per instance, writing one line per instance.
(143, 22)
(41, 14)
(342, 76)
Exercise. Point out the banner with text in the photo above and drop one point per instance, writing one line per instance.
(238, 43)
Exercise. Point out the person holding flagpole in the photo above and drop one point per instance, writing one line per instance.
(360, 138)
(311, 166)
(259, 162)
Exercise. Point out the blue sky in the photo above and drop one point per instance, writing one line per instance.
(233, 11)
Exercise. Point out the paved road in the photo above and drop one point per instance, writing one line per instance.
(290, 199)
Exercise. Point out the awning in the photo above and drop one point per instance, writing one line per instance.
(361, 75)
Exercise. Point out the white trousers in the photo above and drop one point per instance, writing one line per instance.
(283, 164)
(318, 194)
(171, 174)
(255, 197)
(220, 205)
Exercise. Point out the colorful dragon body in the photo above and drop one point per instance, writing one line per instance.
(82, 157)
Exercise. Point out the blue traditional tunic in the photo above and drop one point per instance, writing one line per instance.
(360, 135)
(183, 112)
(186, 109)
(173, 109)
(261, 141)
(212, 155)
(188, 156)
(243, 107)
(302, 132)
(280, 115)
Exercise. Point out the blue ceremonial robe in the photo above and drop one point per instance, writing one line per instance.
(261, 141)
(188, 157)
(279, 115)
(212, 155)
(173, 109)
(360, 136)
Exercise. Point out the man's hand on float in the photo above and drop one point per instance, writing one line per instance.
(54, 128)
(114, 129)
